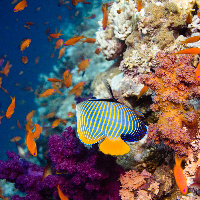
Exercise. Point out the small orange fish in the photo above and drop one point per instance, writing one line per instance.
(191, 40)
(18, 124)
(71, 114)
(59, 18)
(89, 40)
(198, 14)
(197, 73)
(54, 80)
(74, 105)
(11, 108)
(142, 91)
(14, 2)
(105, 16)
(189, 51)
(73, 40)
(37, 60)
(55, 123)
(37, 9)
(67, 78)
(56, 35)
(75, 2)
(30, 115)
(189, 18)
(181, 181)
(83, 64)
(47, 93)
(6, 69)
(1, 118)
(77, 89)
(20, 6)
(30, 143)
(29, 23)
(97, 51)
(25, 43)
(92, 16)
(16, 139)
(61, 52)
(47, 170)
(139, 5)
(59, 44)
(24, 59)
(28, 27)
(61, 195)
(50, 115)
(37, 132)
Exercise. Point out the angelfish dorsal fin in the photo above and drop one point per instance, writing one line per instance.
(107, 85)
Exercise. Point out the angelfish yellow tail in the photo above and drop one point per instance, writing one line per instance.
(114, 147)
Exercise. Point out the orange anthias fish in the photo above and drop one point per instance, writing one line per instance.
(16, 139)
(61, 52)
(47, 93)
(18, 124)
(83, 64)
(20, 6)
(11, 108)
(61, 195)
(56, 122)
(6, 69)
(25, 43)
(191, 40)
(67, 78)
(197, 73)
(75, 2)
(47, 170)
(59, 44)
(97, 51)
(179, 176)
(89, 40)
(139, 5)
(189, 51)
(73, 40)
(142, 91)
(30, 115)
(56, 35)
(30, 143)
(24, 59)
(77, 89)
(105, 16)
(54, 80)
(37, 132)
(71, 114)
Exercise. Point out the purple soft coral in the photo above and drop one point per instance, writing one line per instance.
(89, 172)
(83, 174)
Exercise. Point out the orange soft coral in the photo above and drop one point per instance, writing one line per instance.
(174, 85)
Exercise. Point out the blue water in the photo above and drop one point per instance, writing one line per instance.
(12, 32)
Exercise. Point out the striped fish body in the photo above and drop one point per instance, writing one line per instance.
(111, 120)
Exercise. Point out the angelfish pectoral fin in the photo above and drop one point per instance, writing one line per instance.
(114, 147)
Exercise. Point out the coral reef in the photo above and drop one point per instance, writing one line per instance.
(174, 85)
(81, 173)
(144, 185)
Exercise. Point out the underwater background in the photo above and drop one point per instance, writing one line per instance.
(107, 105)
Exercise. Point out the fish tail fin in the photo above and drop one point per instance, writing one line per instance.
(114, 147)
(138, 135)
(178, 160)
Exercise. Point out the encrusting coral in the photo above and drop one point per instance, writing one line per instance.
(144, 185)
(174, 85)
(80, 173)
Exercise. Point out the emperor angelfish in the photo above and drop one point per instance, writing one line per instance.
(111, 121)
